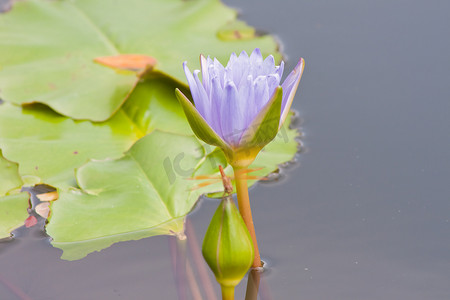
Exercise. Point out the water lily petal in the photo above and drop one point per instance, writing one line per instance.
(194, 90)
(256, 61)
(219, 71)
(279, 70)
(244, 56)
(262, 94)
(205, 73)
(247, 96)
(289, 88)
(210, 67)
(269, 65)
(229, 69)
(242, 72)
(256, 57)
(273, 81)
(244, 67)
(217, 98)
(204, 99)
(228, 74)
(239, 69)
(232, 61)
(232, 115)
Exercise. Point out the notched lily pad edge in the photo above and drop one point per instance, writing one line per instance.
(69, 255)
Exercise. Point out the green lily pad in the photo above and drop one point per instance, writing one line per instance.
(153, 105)
(48, 48)
(9, 176)
(128, 198)
(13, 212)
(13, 205)
(49, 147)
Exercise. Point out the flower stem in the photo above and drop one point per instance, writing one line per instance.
(227, 292)
(254, 278)
(240, 176)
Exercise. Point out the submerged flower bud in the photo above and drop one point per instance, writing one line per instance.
(240, 107)
(227, 246)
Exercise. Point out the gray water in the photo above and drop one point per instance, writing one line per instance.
(364, 214)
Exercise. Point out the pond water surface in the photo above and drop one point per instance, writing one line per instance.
(365, 211)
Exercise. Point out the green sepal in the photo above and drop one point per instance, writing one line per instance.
(262, 129)
(200, 127)
(227, 246)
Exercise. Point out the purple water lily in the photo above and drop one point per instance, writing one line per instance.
(240, 108)
(230, 98)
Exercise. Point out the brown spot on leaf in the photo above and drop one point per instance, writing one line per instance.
(51, 196)
(236, 30)
(133, 62)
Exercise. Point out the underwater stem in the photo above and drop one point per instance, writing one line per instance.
(16, 290)
(196, 252)
(240, 175)
(178, 254)
(254, 277)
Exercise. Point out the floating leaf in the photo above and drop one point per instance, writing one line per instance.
(49, 146)
(13, 207)
(129, 198)
(13, 212)
(9, 176)
(62, 39)
(27, 133)
(153, 105)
